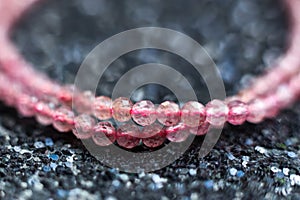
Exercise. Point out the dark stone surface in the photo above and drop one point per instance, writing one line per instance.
(248, 162)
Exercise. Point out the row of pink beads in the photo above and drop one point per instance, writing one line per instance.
(192, 118)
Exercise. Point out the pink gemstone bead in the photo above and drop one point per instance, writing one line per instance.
(200, 130)
(83, 102)
(193, 114)
(271, 108)
(168, 113)
(83, 128)
(121, 108)
(26, 105)
(103, 107)
(125, 136)
(285, 95)
(104, 134)
(238, 112)
(216, 112)
(256, 110)
(178, 133)
(153, 135)
(63, 119)
(44, 113)
(143, 113)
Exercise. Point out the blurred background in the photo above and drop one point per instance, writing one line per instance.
(243, 37)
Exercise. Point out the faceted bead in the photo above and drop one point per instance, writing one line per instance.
(153, 135)
(193, 114)
(125, 136)
(83, 102)
(216, 112)
(200, 130)
(121, 108)
(44, 113)
(103, 107)
(26, 105)
(143, 113)
(104, 134)
(256, 110)
(238, 112)
(63, 119)
(168, 113)
(178, 133)
(83, 128)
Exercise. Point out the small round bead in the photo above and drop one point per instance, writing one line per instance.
(178, 133)
(271, 108)
(238, 112)
(200, 130)
(153, 135)
(121, 109)
(168, 113)
(104, 134)
(256, 110)
(83, 128)
(143, 113)
(193, 114)
(63, 119)
(125, 136)
(83, 102)
(26, 105)
(44, 113)
(102, 108)
(216, 112)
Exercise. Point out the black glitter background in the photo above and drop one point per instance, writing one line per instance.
(248, 162)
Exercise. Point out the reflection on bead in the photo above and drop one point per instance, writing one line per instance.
(238, 112)
(83, 127)
(193, 114)
(126, 136)
(102, 108)
(201, 130)
(168, 113)
(63, 119)
(178, 133)
(143, 113)
(216, 112)
(44, 113)
(153, 135)
(256, 110)
(121, 109)
(104, 134)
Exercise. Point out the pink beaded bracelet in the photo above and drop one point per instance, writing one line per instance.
(33, 94)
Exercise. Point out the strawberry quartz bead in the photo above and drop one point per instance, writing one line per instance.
(83, 128)
(26, 105)
(44, 113)
(83, 102)
(104, 134)
(193, 114)
(143, 113)
(102, 108)
(216, 112)
(200, 130)
(121, 108)
(153, 135)
(256, 110)
(126, 136)
(63, 119)
(168, 113)
(238, 112)
(178, 133)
